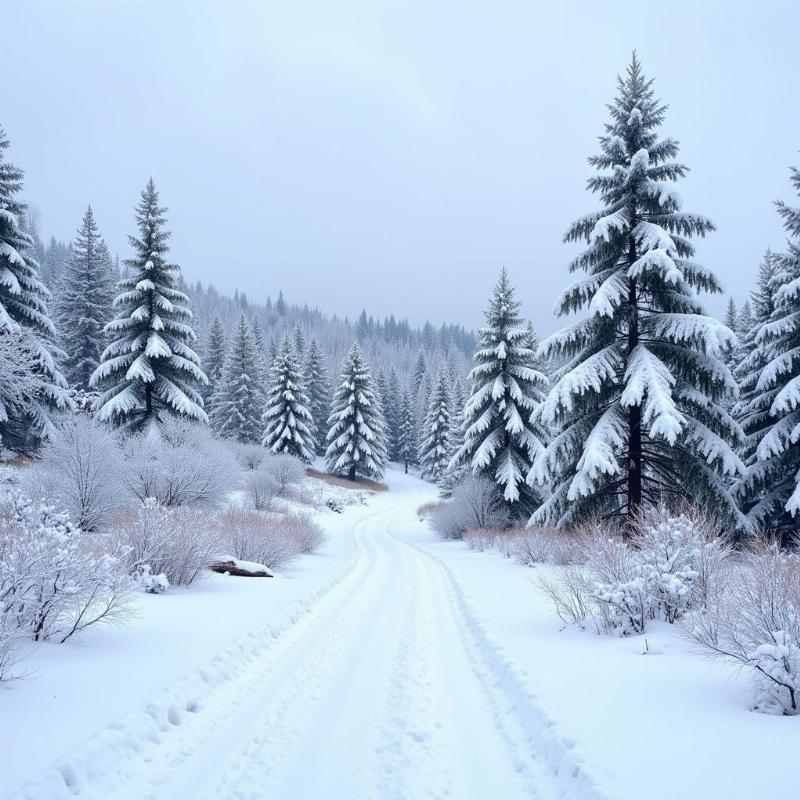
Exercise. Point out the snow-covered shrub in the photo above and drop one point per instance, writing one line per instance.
(753, 620)
(481, 539)
(306, 534)
(264, 538)
(569, 593)
(286, 471)
(176, 543)
(670, 564)
(54, 580)
(179, 464)
(80, 471)
(261, 488)
(476, 503)
(249, 456)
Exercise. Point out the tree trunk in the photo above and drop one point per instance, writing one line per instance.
(352, 473)
(634, 487)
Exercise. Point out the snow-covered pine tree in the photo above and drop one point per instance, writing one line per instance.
(150, 369)
(84, 304)
(406, 433)
(391, 407)
(455, 471)
(752, 409)
(287, 420)
(318, 388)
(775, 477)
(299, 342)
(214, 356)
(238, 402)
(744, 321)
(501, 439)
(419, 373)
(357, 430)
(434, 448)
(23, 304)
(639, 401)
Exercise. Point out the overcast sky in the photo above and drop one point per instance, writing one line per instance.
(389, 155)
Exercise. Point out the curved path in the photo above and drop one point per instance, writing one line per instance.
(378, 688)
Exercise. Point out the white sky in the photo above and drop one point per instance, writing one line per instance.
(391, 155)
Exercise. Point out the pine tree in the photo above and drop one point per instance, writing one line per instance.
(455, 471)
(288, 424)
(357, 431)
(23, 305)
(238, 401)
(214, 362)
(85, 303)
(319, 392)
(434, 451)
(500, 440)
(419, 373)
(752, 409)
(391, 406)
(299, 342)
(150, 368)
(774, 479)
(407, 436)
(638, 401)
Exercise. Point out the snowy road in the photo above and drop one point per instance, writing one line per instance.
(379, 688)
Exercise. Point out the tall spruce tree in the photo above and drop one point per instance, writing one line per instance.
(502, 435)
(639, 400)
(775, 477)
(84, 303)
(456, 470)
(357, 431)
(238, 402)
(406, 433)
(214, 356)
(391, 406)
(150, 369)
(752, 411)
(287, 420)
(434, 450)
(319, 393)
(23, 305)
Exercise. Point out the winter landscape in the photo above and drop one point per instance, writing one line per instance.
(381, 415)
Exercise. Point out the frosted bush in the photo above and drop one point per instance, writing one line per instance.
(286, 471)
(176, 544)
(261, 489)
(179, 464)
(250, 536)
(80, 470)
(54, 580)
(250, 456)
(481, 539)
(476, 503)
(307, 535)
(754, 621)
(671, 563)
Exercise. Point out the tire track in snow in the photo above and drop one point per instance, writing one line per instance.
(176, 724)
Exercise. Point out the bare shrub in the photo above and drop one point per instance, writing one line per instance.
(285, 470)
(568, 592)
(55, 581)
(481, 539)
(476, 503)
(175, 543)
(261, 489)
(249, 456)
(754, 621)
(179, 464)
(426, 510)
(307, 535)
(80, 469)
(250, 536)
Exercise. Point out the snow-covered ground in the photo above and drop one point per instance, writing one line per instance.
(389, 665)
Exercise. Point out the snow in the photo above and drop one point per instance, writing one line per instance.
(389, 665)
